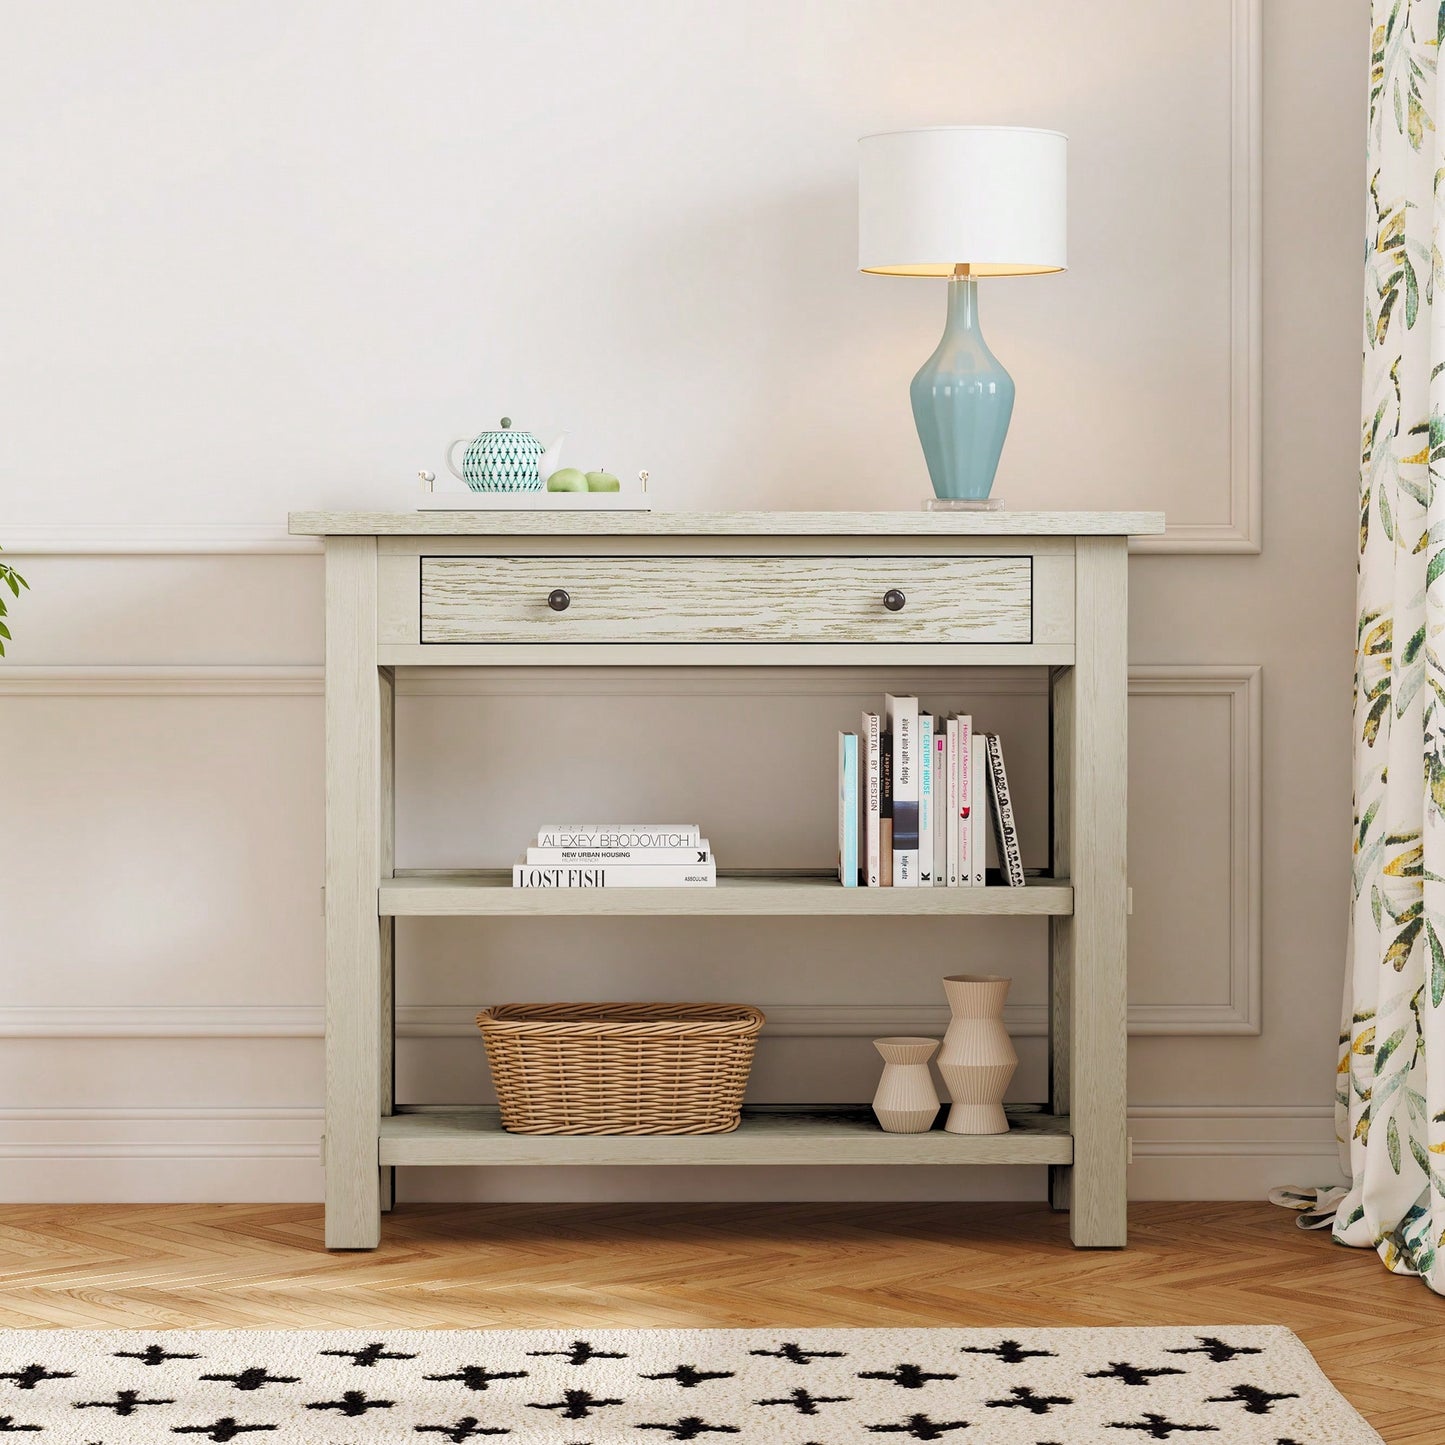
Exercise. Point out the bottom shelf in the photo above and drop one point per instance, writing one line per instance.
(845, 1134)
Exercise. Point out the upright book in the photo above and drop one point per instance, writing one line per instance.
(885, 808)
(1005, 833)
(925, 800)
(848, 809)
(903, 725)
(871, 801)
(978, 810)
(940, 801)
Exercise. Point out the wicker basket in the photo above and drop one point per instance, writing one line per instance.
(620, 1068)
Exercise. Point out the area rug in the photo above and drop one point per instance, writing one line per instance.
(1236, 1384)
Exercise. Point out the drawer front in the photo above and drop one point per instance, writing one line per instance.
(726, 599)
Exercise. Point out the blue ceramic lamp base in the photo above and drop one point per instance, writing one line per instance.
(962, 402)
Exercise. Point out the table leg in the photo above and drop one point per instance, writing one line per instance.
(356, 704)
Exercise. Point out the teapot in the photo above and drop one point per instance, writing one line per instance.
(504, 461)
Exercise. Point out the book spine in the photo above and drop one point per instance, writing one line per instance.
(885, 809)
(617, 835)
(636, 875)
(848, 810)
(978, 813)
(903, 724)
(940, 801)
(1005, 832)
(925, 800)
(619, 857)
(872, 800)
(965, 801)
(953, 802)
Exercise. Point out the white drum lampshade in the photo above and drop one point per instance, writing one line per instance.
(963, 202)
(991, 197)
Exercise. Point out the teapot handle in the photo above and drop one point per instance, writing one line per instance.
(451, 465)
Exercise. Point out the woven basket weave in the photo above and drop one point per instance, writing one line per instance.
(620, 1068)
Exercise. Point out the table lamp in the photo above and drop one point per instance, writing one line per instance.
(962, 201)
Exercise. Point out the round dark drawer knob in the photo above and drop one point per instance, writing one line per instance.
(893, 600)
(558, 600)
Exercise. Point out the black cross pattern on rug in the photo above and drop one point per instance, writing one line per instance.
(1025, 1399)
(690, 1377)
(805, 1403)
(575, 1404)
(221, 1430)
(579, 1354)
(352, 1403)
(467, 1428)
(1007, 1352)
(920, 1427)
(795, 1354)
(32, 1375)
(1254, 1400)
(1132, 1374)
(1160, 1427)
(692, 1427)
(1216, 1349)
(478, 1377)
(9, 1427)
(365, 1358)
(255, 1378)
(152, 1355)
(126, 1402)
(908, 1377)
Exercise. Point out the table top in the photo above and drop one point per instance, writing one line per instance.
(727, 524)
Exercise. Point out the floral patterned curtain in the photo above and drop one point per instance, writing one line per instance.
(1390, 1103)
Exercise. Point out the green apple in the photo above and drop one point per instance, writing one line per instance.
(567, 479)
(602, 482)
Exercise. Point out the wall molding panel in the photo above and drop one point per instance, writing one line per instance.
(1242, 685)
(1242, 527)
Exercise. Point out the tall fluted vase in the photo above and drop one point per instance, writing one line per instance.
(963, 400)
(906, 1101)
(978, 1057)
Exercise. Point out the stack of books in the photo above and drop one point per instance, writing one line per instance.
(617, 855)
(914, 789)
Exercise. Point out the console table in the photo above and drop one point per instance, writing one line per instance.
(720, 589)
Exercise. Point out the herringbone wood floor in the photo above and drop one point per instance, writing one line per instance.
(1379, 1337)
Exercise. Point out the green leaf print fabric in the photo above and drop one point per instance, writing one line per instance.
(1390, 1096)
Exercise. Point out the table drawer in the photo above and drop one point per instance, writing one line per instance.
(726, 599)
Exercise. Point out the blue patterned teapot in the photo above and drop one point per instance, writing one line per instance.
(500, 461)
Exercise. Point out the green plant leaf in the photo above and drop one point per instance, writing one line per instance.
(1383, 1053)
(1392, 1143)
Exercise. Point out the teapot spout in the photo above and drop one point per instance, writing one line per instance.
(551, 458)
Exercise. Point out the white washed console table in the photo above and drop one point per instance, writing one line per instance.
(719, 589)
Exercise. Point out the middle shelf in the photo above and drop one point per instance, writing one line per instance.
(738, 894)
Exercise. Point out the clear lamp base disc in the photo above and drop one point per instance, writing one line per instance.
(950, 504)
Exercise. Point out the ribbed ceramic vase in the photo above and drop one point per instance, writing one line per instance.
(963, 400)
(906, 1101)
(978, 1058)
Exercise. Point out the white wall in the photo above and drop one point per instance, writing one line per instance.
(273, 256)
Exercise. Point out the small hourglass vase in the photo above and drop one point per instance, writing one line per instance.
(906, 1101)
(978, 1057)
